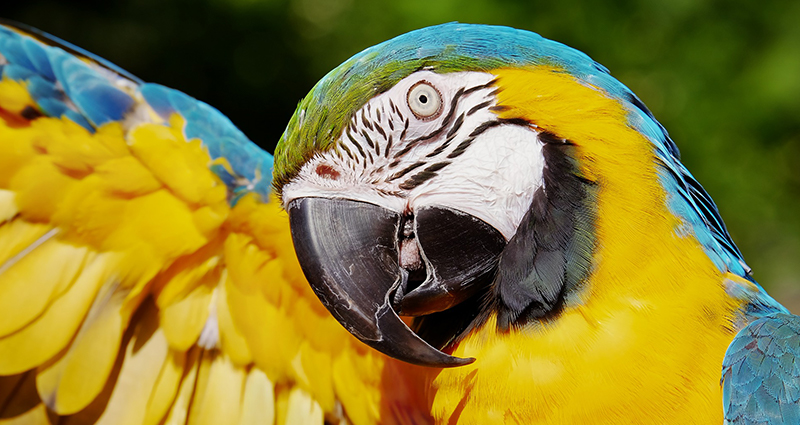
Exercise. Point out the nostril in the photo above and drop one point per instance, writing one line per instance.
(410, 257)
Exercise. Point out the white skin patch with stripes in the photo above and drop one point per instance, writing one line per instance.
(462, 156)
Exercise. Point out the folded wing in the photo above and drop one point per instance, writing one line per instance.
(760, 373)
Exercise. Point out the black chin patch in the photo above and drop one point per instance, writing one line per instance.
(548, 257)
(550, 253)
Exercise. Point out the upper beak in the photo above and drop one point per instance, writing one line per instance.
(349, 252)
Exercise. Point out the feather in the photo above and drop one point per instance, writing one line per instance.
(182, 321)
(69, 382)
(43, 338)
(297, 407)
(165, 388)
(21, 235)
(218, 394)
(27, 288)
(759, 373)
(179, 411)
(8, 208)
(258, 400)
(145, 356)
(232, 340)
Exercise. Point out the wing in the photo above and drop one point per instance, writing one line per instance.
(146, 273)
(761, 372)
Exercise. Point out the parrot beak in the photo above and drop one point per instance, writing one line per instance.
(349, 253)
(459, 251)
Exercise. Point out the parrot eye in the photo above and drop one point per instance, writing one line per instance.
(424, 100)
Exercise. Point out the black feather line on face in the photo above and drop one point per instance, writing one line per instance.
(478, 107)
(379, 129)
(406, 170)
(346, 150)
(368, 139)
(356, 144)
(547, 259)
(549, 256)
(423, 176)
(389, 141)
(441, 147)
(461, 148)
(364, 120)
(456, 126)
(448, 120)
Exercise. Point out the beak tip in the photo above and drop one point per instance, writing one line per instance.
(461, 361)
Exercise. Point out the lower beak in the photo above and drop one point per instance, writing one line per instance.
(349, 253)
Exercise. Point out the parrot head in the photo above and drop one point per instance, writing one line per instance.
(447, 175)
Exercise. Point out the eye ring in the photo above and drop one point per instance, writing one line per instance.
(424, 101)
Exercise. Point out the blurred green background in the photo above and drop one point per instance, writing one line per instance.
(722, 76)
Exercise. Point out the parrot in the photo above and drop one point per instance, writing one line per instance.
(464, 224)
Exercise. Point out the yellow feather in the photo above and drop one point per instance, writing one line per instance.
(14, 96)
(253, 315)
(146, 351)
(16, 150)
(187, 273)
(29, 285)
(258, 400)
(630, 351)
(299, 409)
(74, 149)
(182, 321)
(218, 395)
(269, 332)
(232, 340)
(180, 165)
(18, 235)
(145, 354)
(357, 372)
(160, 221)
(48, 334)
(126, 177)
(8, 208)
(166, 388)
(313, 368)
(40, 188)
(179, 412)
(76, 377)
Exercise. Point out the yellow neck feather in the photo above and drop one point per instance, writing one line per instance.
(646, 343)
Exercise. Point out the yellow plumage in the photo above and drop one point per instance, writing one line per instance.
(628, 351)
(133, 293)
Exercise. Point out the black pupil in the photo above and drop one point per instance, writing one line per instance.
(423, 98)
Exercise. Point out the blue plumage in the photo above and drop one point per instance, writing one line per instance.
(252, 165)
(482, 48)
(92, 93)
(760, 373)
(63, 84)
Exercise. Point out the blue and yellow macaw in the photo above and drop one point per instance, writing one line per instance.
(552, 259)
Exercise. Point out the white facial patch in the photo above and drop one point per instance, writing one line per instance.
(493, 180)
(462, 157)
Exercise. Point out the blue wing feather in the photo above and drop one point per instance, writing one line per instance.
(760, 372)
(67, 81)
